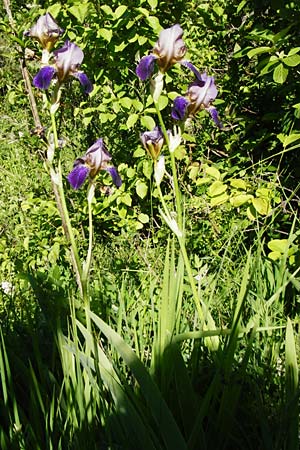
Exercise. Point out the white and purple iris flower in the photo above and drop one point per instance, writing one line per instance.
(153, 142)
(67, 61)
(96, 158)
(201, 93)
(168, 50)
(46, 31)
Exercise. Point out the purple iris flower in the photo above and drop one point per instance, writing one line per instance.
(168, 50)
(153, 142)
(201, 93)
(67, 61)
(46, 31)
(96, 158)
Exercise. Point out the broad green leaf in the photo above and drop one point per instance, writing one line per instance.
(219, 199)
(162, 102)
(238, 183)
(131, 121)
(107, 10)
(139, 152)
(280, 74)
(258, 51)
(130, 172)
(291, 61)
(274, 255)
(154, 23)
(80, 11)
(147, 122)
(126, 199)
(217, 188)
(239, 200)
(144, 218)
(152, 3)
(262, 205)
(141, 189)
(120, 11)
(251, 213)
(293, 51)
(126, 102)
(105, 33)
(54, 9)
(290, 139)
(213, 172)
(203, 180)
(263, 192)
(278, 245)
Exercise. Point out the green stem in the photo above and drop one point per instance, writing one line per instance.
(57, 184)
(87, 264)
(173, 167)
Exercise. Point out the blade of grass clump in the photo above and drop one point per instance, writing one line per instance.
(130, 419)
(161, 414)
(291, 389)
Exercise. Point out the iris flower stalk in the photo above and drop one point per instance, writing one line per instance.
(170, 49)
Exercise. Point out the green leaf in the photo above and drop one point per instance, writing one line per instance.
(126, 199)
(291, 61)
(238, 183)
(141, 189)
(131, 121)
(154, 24)
(219, 199)
(120, 11)
(258, 51)
(152, 3)
(162, 102)
(105, 33)
(278, 245)
(144, 218)
(274, 255)
(54, 9)
(261, 205)
(213, 172)
(217, 188)
(139, 152)
(280, 74)
(147, 122)
(80, 11)
(239, 200)
(126, 102)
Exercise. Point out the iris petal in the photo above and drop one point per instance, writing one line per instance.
(78, 176)
(191, 66)
(179, 108)
(215, 116)
(115, 176)
(84, 81)
(145, 67)
(43, 78)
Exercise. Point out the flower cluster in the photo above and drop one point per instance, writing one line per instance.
(67, 60)
(169, 50)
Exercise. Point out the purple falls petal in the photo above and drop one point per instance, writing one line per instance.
(78, 175)
(115, 176)
(145, 67)
(191, 66)
(179, 108)
(85, 82)
(215, 117)
(43, 78)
